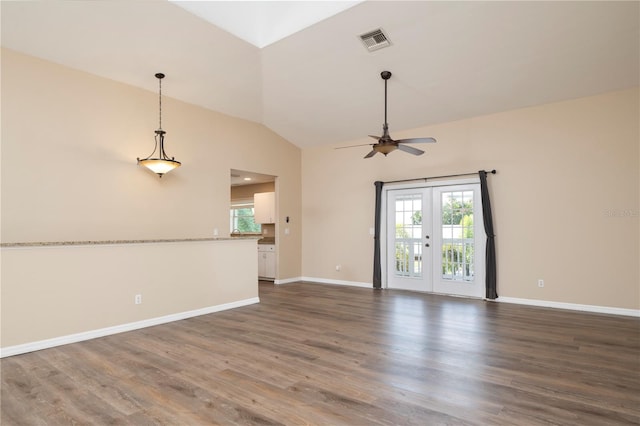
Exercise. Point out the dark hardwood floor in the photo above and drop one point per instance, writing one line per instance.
(329, 355)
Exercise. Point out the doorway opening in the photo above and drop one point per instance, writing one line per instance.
(252, 212)
(434, 239)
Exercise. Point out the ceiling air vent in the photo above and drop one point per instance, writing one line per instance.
(374, 40)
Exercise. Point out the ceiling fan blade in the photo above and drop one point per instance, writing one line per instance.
(417, 140)
(353, 146)
(375, 137)
(410, 150)
(371, 154)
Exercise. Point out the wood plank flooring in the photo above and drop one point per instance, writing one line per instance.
(313, 354)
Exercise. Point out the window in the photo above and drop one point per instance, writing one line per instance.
(241, 218)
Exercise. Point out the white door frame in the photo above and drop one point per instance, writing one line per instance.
(384, 240)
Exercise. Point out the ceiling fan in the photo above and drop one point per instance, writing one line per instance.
(385, 144)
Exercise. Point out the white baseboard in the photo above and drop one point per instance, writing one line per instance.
(336, 282)
(571, 306)
(287, 280)
(92, 334)
(530, 302)
(312, 280)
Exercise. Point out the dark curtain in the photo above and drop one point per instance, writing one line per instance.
(490, 255)
(377, 270)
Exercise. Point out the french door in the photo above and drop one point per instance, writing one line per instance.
(436, 240)
(409, 256)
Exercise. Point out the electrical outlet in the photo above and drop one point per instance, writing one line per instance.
(338, 267)
(215, 232)
(540, 283)
(138, 299)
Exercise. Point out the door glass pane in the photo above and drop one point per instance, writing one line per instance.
(408, 241)
(457, 235)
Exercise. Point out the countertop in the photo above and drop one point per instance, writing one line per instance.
(119, 242)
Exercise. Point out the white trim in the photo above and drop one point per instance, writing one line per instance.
(571, 306)
(530, 302)
(242, 202)
(288, 280)
(312, 280)
(87, 335)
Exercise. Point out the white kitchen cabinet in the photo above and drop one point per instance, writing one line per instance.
(264, 204)
(267, 261)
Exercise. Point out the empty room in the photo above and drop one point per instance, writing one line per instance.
(320, 213)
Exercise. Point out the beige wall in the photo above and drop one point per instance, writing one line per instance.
(52, 292)
(565, 199)
(69, 146)
(241, 192)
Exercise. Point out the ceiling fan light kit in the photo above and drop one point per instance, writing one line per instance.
(385, 143)
(161, 163)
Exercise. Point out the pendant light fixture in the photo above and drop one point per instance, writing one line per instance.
(161, 163)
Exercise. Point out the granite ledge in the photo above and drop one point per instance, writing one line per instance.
(122, 242)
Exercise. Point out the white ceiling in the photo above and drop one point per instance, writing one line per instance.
(262, 23)
(450, 60)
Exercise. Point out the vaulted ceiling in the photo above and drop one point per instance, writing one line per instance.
(450, 60)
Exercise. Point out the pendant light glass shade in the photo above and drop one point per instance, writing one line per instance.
(159, 166)
(159, 162)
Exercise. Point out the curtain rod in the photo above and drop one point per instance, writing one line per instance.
(493, 172)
